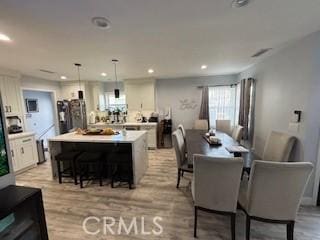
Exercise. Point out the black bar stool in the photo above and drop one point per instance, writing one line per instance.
(120, 165)
(90, 166)
(69, 166)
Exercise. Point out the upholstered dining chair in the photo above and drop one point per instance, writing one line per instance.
(215, 186)
(223, 126)
(180, 126)
(201, 124)
(278, 148)
(237, 133)
(179, 147)
(273, 193)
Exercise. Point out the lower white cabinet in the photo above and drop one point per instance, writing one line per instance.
(152, 135)
(23, 152)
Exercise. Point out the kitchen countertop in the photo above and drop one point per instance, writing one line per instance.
(131, 137)
(20, 135)
(125, 124)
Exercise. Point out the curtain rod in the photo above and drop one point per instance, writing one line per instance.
(219, 85)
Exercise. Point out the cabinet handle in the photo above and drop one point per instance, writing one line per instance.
(26, 140)
(12, 153)
(22, 150)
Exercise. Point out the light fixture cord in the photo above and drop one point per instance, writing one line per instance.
(79, 77)
(115, 73)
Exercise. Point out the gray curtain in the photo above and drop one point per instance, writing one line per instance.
(204, 108)
(246, 110)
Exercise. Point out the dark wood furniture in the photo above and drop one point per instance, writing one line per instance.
(90, 166)
(66, 164)
(23, 206)
(120, 164)
(197, 144)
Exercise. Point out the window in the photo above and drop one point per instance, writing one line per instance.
(113, 103)
(224, 104)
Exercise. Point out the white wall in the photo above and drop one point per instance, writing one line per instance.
(170, 93)
(286, 81)
(29, 82)
(39, 122)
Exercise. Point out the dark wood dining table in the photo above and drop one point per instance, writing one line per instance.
(197, 144)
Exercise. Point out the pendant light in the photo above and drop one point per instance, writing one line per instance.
(80, 92)
(116, 90)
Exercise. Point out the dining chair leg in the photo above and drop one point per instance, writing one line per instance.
(195, 222)
(233, 226)
(248, 223)
(182, 172)
(290, 230)
(178, 181)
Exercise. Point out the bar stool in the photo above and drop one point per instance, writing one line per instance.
(67, 159)
(120, 165)
(90, 166)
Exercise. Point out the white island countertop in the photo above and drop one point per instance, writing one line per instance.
(131, 137)
(102, 124)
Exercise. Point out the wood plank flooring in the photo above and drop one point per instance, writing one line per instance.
(67, 205)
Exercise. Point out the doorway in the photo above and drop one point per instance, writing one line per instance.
(41, 117)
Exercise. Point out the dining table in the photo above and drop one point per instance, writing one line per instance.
(196, 143)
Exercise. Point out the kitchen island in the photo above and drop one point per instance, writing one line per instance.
(150, 127)
(135, 144)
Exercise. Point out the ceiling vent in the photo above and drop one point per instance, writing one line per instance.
(46, 71)
(101, 22)
(261, 52)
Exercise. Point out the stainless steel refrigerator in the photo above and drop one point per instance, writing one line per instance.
(78, 113)
(72, 114)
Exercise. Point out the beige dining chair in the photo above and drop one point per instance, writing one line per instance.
(237, 133)
(273, 193)
(179, 147)
(223, 126)
(215, 186)
(201, 124)
(181, 128)
(279, 146)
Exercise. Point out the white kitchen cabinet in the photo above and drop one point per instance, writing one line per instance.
(152, 135)
(11, 95)
(140, 94)
(23, 152)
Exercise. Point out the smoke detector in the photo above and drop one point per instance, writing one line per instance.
(239, 3)
(101, 22)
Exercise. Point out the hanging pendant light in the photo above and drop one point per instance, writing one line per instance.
(80, 92)
(116, 90)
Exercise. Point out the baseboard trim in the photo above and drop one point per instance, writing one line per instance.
(307, 201)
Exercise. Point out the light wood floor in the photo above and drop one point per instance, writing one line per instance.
(67, 205)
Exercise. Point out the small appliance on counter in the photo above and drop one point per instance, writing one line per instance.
(14, 124)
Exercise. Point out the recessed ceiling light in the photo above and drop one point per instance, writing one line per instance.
(103, 74)
(101, 22)
(204, 67)
(4, 38)
(63, 77)
(239, 3)
(150, 71)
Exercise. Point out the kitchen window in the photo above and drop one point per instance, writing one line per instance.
(224, 104)
(112, 103)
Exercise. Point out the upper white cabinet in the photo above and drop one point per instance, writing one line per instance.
(140, 94)
(11, 96)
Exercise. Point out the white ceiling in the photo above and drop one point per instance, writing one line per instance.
(174, 37)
